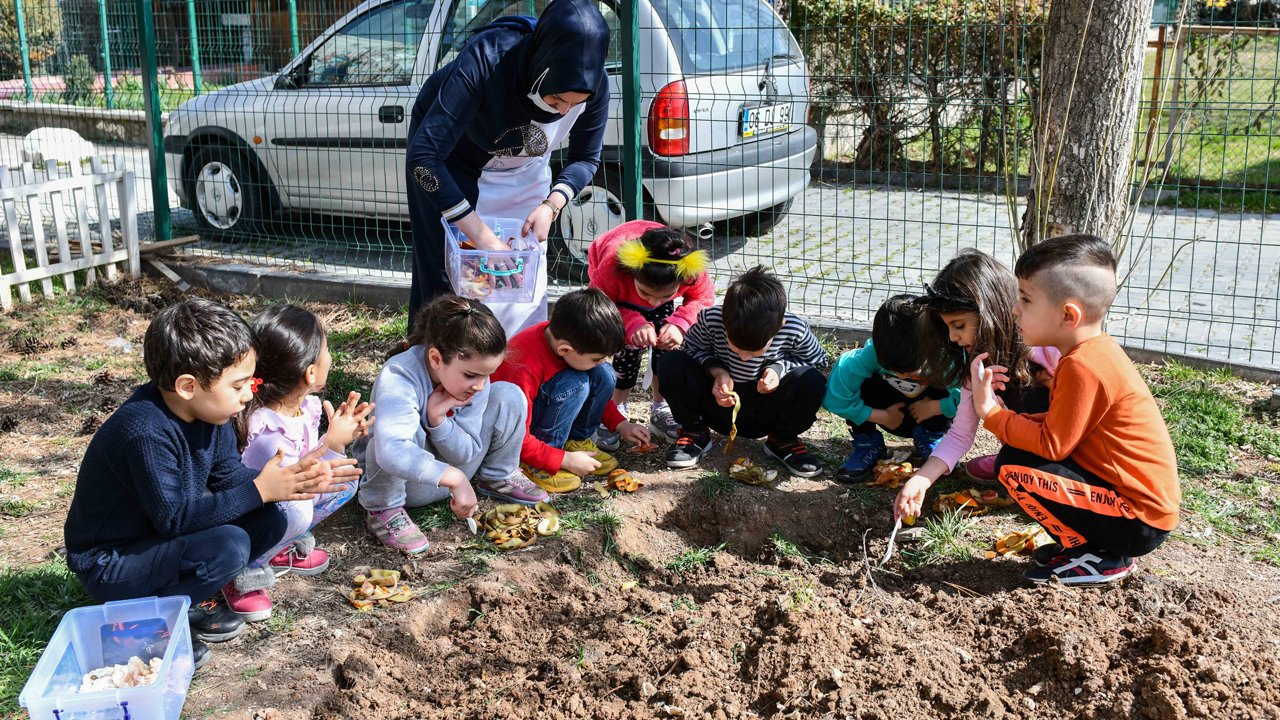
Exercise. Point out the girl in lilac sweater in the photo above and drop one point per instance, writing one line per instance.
(282, 424)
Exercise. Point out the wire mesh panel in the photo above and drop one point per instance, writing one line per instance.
(854, 146)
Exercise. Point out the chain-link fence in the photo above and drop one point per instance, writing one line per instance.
(852, 145)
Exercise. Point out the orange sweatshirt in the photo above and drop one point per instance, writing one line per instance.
(1103, 416)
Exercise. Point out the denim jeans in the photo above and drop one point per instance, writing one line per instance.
(569, 405)
(195, 565)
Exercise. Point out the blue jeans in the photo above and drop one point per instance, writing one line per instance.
(195, 565)
(569, 405)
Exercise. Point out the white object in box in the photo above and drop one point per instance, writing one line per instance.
(494, 277)
(93, 637)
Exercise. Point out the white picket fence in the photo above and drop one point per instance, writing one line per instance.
(70, 200)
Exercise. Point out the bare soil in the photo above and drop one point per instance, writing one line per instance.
(758, 631)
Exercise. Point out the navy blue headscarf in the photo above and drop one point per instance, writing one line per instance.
(566, 53)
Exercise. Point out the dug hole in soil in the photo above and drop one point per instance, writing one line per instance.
(551, 633)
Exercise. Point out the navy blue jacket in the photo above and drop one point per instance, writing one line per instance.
(476, 107)
(149, 473)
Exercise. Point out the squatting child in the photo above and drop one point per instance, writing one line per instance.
(880, 385)
(1097, 470)
(560, 365)
(163, 505)
(748, 350)
(644, 267)
(441, 422)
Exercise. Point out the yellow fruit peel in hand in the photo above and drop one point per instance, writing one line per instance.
(733, 421)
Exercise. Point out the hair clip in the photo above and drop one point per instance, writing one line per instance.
(933, 297)
(255, 384)
(633, 255)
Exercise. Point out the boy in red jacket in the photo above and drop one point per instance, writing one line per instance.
(644, 267)
(560, 365)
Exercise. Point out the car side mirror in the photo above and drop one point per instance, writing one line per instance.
(291, 80)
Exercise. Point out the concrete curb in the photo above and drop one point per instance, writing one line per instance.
(97, 125)
(276, 283)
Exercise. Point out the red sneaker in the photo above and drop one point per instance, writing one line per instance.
(289, 561)
(982, 469)
(254, 606)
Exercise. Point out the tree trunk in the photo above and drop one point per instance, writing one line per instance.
(1082, 149)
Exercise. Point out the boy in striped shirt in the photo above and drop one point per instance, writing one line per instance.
(750, 348)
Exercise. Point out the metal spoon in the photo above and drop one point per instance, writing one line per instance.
(888, 552)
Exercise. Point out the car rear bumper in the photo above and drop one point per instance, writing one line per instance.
(722, 184)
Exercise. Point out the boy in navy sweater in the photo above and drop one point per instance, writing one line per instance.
(163, 505)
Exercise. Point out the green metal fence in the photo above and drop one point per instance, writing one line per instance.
(852, 145)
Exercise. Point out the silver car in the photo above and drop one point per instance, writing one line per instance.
(724, 100)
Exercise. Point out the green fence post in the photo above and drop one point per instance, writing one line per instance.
(195, 45)
(155, 126)
(106, 56)
(631, 191)
(293, 26)
(24, 50)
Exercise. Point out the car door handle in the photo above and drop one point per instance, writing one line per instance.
(391, 113)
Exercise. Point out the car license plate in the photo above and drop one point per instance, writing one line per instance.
(765, 119)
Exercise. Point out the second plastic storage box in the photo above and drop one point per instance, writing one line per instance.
(93, 637)
(505, 277)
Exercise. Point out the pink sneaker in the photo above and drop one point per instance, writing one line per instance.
(254, 606)
(289, 560)
(982, 468)
(396, 529)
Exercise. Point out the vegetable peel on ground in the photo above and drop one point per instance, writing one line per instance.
(378, 589)
(971, 502)
(1019, 543)
(510, 526)
(644, 448)
(891, 475)
(622, 480)
(749, 473)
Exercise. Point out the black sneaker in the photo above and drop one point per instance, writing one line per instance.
(213, 621)
(199, 653)
(794, 456)
(1044, 555)
(1073, 567)
(688, 450)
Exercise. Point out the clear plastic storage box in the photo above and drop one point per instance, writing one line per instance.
(505, 277)
(93, 637)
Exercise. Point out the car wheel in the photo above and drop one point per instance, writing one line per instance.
(760, 222)
(595, 211)
(227, 197)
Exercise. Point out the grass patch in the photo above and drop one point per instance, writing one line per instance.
(280, 622)
(1207, 423)
(341, 383)
(942, 538)
(1246, 510)
(34, 600)
(15, 507)
(785, 547)
(436, 516)
(712, 484)
(14, 478)
(693, 558)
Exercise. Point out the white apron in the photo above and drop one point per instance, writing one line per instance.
(512, 186)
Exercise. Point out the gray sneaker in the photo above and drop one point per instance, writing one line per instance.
(663, 423)
(608, 441)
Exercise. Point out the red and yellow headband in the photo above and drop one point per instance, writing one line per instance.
(633, 255)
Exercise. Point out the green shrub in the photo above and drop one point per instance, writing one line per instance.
(43, 21)
(79, 77)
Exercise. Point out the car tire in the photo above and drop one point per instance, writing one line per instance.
(597, 209)
(228, 197)
(759, 223)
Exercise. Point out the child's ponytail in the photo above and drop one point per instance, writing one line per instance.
(662, 257)
(458, 327)
(289, 340)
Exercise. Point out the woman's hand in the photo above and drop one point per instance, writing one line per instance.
(538, 223)
(480, 235)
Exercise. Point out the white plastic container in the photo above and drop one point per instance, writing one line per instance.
(93, 637)
(493, 277)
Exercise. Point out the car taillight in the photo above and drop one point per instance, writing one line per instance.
(669, 121)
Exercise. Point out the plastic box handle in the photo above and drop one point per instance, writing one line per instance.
(484, 268)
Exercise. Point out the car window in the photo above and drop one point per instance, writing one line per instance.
(470, 15)
(715, 36)
(377, 48)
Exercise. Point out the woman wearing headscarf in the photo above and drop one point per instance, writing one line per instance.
(482, 131)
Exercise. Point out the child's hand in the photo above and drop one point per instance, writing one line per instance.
(348, 422)
(580, 463)
(302, 480)
(768, 381)
(670, 338)
(439, 403)
(983, 385)
(462, 498)
(910, 500)
(721, 386)
(922, 410)
(890, 417)
(645, 337)
(634, 433)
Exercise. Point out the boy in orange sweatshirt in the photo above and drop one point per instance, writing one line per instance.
(1097, 470)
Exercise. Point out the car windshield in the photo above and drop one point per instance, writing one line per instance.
(713, 36)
